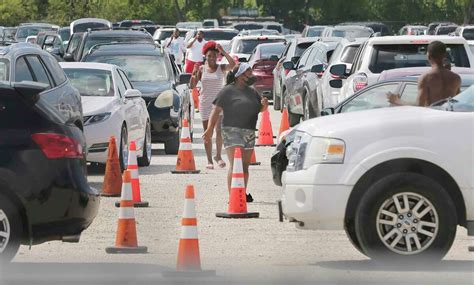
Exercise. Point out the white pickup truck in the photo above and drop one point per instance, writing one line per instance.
(398, 180)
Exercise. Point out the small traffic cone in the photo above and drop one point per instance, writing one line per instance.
(238, 196)
(133, 168)
(185, 163)
(284, 122)
(113, 177)
(126, 239)
(265, 132)
(253, 159)
(195, 95)
(189, 260)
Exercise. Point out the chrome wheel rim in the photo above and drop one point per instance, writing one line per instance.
(306, 108)
(148, 142)
(4, 231)
(124, 149)
(407, 223)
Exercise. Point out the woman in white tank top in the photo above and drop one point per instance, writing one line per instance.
(212, 76)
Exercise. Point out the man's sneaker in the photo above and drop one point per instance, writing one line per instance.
(249, 198)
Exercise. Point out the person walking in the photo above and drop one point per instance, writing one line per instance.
(240, 104)
(211, 75)
(194, 54)
(176, 47)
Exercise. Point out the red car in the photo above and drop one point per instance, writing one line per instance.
(263, 60)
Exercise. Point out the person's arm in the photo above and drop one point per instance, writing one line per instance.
(230, 60)
(169, 42)
(213, 119)
(191, 42)
(196, 76)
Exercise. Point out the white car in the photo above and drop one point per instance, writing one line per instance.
(398, 180)
(383, 53)
(111, 108)
(241, 47)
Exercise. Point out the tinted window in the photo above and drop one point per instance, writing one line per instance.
(219, 35)
(241, 27)
(371, 99)
(247, 46)
(4, 69)
(38, 69)
(468, 34)
(56, 71)
(315, 32)
(267, 51)
(301, 48)
(446, 30)
(91, 25)
(127, 83)
(275, 27)
(163, 35)
(74, 43)
(65, 34)
(26, 31)
(22, 72)
(349, 53)
(91, 82)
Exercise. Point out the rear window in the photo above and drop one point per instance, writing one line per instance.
(349, 53)
(91, 82)
(267, 51)
(468, 34)
(84, 26)
(4, 69)
(386, 57)
(301, 48)
(163, 35)
(446, 30)
(315, 32)
(241, 27)
(275, 27)
(219, 35)
(247, 46)
(92, 41)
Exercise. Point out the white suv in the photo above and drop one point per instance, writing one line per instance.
(383, 53)
(398, 180)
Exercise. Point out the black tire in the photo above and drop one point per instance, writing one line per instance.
(380, 193)
(309, 112)
(293, 118)
(172, 145)
(352, 236)
(12, 223)
(145, 160)
(123, 135)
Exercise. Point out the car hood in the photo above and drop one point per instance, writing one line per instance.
(151, 89)
(93, 105)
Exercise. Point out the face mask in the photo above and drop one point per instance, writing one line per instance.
(251, 80)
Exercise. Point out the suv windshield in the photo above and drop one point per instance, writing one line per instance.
(139, 68)
(92, 41)
(386, 57)
(247, 46)
(26, 31)
(468, 34)
(91, 82)
(219, 35)
(4, 69)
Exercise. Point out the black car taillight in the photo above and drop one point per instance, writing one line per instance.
(57, 145)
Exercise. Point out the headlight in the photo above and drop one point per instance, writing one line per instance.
(306, 151)
(96, 118)
(164, 100)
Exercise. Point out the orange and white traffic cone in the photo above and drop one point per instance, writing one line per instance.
(253, 159)
(195, 96)
(126, 238)
(265, 131)
(185, 163)
(189, 260)
(238, 196)
(113, 177)
(133, 168)
(284, 122)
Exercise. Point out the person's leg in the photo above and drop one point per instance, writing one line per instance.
(230, 155)
(219, 140)
(208, 145)
(246, 157)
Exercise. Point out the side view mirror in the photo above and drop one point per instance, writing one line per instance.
(335, 83)
(132, 93)
(339, 70)
(289, 65)
(327, 111)
(68, 57)
(184, 78)
(295, 59)
(318, 68)
(274, 58)
(243, 59)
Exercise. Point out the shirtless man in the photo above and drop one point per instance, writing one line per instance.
(439, 83)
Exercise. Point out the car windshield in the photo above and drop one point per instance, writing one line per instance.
(26, 31)
(91, 82)
(315, 32)
(139, 68)
(463, 102)
(65, 34)
(78, 28)
(446, 30)
(247, 46)
(92, 41)
(4, 69)
(468, 34)
(269, 50)
(385, 57)
(9, 34)
(219, 35)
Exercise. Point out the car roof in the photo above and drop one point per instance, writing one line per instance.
(126, 49)
(305, 40)
(270, 44)
(416, 71)
(11, 51)
(218, 29)
(406, 39)
(270, 37)
(115, 33)
(88, 65)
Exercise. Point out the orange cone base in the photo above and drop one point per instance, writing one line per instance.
(259, 145)
(248, 215)
(141, 204)
(471, 248)
(189, 274)
(255, 163)
(126, 250)
(109, 195)
(186, 171)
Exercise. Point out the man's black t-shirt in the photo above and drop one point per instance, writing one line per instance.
(241, 106)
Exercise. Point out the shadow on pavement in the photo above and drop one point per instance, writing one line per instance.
(369, 265)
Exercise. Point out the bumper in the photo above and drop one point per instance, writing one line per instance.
(278, 163)
(264, 86)
(97, 137)
(164, 121)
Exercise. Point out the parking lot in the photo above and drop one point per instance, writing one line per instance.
(252, 250)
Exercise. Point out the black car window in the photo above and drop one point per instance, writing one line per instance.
(55, 70)
(219, 35)
(371, 98)
(300, 48)
(22, 71)
(127, 83)
(468, 34)
(39, 71)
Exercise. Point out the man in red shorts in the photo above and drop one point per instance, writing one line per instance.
(194, 55)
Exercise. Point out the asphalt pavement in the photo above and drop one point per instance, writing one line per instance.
(241, 251)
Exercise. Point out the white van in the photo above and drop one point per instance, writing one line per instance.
(83, 24)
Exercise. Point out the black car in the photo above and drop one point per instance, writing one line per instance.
(80, 43)
(44, 194)
(26, 62)
(377, 27)
(162, 85)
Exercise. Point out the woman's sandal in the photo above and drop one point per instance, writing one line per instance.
(220, 162)
(210, 166)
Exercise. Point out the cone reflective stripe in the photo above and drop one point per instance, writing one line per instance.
(113, 177)
(135, 179)
(238, 196)
(265, 132)
(126, 238)
(284, 122)
(253, 159)
(185, 163)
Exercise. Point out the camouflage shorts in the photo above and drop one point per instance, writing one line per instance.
(238, 137)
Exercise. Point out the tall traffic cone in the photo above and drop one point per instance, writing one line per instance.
(189, 260)
(133, 168)
(113, 177)
(126, 239)
(265, 132)
(238, 196)
(195, 95)
(284, 122)
(253, 159)
(185, 163)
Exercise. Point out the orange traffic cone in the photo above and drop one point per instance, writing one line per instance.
(189, 260)
(113, 177)
(195, 95)
(238, 198)
(126, 239)
(284, 122)
(133, 168)
(185, 163)
(253, 159)
(265, 132)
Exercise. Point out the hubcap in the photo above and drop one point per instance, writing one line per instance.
(407, 223)
(148, 142)
(4, 231)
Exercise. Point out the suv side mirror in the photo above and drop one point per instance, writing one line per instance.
(335, 83)
(327, 111)
(184, 78)
(339, 70)
(318, 68)
(132, 93)
(68, 57)
(289, 65)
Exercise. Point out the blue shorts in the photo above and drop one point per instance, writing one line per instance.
(233, 137)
